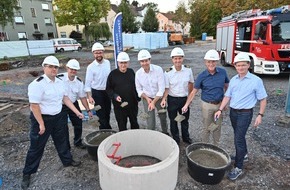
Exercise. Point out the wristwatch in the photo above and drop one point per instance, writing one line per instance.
(262, 115)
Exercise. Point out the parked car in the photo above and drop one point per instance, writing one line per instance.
(108, 43)
(66, 44)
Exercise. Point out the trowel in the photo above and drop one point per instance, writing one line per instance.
(98, 107)
(162, 111)
(179, 117)
(94, 121)
(124, 104)
(214, 125)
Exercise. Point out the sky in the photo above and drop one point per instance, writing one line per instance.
(163, 5)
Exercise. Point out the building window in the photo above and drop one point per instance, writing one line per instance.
(19, 20)
(33, 12)
(78, 28)
(22, 36)
(35, 27)
(63, 34)
(47, 21)
(45, 6)
(3, 36)
(50, 35)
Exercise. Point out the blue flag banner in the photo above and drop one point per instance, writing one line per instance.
(117, 36)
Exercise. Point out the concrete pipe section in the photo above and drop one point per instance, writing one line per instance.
(159, 176)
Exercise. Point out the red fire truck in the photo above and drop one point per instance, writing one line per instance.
(264, 35)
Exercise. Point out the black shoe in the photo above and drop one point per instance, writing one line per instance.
(25, 181)
(73, 164)
(81, 146)
(188, 141)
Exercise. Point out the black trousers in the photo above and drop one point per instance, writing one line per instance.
(55, 128)
(77, 123)
(101, 98)
(122, 115)
(175, 105)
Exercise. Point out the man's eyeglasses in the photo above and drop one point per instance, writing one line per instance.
(52, 66)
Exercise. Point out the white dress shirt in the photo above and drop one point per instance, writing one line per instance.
(177, 81)
(152, 83)
(47, 94)
(96, 75)
(75, 88)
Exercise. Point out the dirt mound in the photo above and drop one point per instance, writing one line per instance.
(16, 123)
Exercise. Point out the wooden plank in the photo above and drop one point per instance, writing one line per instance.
(5, 107)
(3, 104)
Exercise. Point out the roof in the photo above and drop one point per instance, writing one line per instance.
(170, 16)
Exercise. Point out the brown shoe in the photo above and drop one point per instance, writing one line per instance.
(25, 181)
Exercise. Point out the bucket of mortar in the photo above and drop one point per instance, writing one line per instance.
(94, 139)
(207, 163)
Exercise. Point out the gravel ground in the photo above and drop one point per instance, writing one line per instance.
(269, 144)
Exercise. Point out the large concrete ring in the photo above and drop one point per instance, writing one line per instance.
(159, 176)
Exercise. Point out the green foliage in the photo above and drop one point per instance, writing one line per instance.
(205, 14)
(129, 24)
(76, 35)
(150, 22)
(153, 6)
(7, 8)
(100, 30)
(82, 12)
(181, 15)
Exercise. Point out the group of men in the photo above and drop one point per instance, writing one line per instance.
(53, 97)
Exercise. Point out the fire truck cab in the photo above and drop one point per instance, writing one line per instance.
(264, 35)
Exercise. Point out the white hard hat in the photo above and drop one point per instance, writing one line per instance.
(242, 56)
(123, 57)
(50, 60)
(143, 54)
(212, 55)
(73, 64)
(97, 46)
(177, 52)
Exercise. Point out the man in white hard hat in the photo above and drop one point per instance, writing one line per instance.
(245, 89)
(213, 82)
(75, 91)
(95, 85)
(46, 95)
(150, 86)
(122, 90)
(178, 84)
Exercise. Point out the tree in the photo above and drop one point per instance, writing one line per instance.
(181, 15)
(129, 24)
(76, 35)
(135, 3)
(153, 6)
(82, 12)
(7, 8)
(150, 22)
(100, 30)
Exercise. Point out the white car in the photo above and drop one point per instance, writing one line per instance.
(108, 43)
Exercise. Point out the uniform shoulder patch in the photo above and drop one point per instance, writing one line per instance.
(60, 75)
(79, 79)
(186, 66)
(39, 79)
(169, 69)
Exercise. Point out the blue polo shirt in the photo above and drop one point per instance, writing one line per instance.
(245, 92)
(212, 86)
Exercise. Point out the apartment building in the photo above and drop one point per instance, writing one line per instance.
(33, 21)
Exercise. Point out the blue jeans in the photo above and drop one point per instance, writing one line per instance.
(241, 121)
